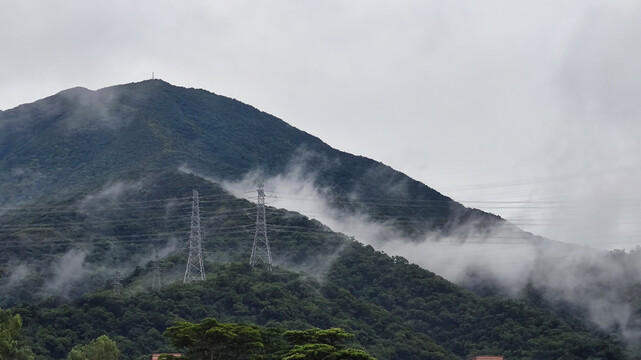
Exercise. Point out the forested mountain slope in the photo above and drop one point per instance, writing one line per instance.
(408, 313)
(79, 140)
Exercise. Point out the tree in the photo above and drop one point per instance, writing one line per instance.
(325, 352)
(101, 348)
(10, 347)
(211, 339)
(333, 336)
(318, 344)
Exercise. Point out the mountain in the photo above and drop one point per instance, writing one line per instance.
(94, 182)
(79, 140)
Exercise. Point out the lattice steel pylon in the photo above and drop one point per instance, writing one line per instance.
(195, 270)
(116, 283)
(155, 280)
(261, 254)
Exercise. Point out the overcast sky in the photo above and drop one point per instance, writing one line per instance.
(527, 109)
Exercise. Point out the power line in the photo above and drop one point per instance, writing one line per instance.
(55, 223)
(153, 204)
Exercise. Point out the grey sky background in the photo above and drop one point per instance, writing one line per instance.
(527, 109)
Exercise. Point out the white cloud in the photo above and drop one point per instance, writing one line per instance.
(108, 196)
(67, 272)
(503, 255)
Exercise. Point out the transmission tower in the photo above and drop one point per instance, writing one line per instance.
(116, 283)
(155, 281)
(261, 254)
(195, 270)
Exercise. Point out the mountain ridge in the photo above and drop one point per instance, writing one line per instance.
(97, 117)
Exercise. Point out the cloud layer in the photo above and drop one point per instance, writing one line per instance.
(504, 257)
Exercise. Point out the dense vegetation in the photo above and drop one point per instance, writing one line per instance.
(101, 348)
(233, 292)
(211, 339)
(12, 345)
(396, 311)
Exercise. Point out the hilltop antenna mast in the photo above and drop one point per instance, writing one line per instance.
(116, 283)
(195, 270)
(155, 280)
(261, 254)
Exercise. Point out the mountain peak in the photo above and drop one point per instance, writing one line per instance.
(74, 90)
